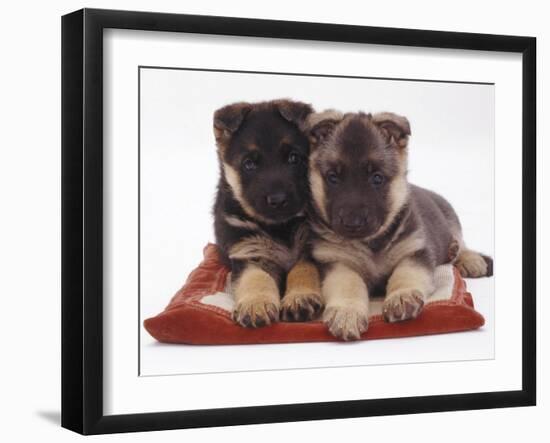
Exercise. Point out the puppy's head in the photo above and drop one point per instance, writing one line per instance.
(358, 169)
(263, 151)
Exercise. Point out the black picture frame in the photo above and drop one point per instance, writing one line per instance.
(82, 220)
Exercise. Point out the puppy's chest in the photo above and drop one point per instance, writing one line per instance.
(374, 265)
(356, 255)
(283, 248)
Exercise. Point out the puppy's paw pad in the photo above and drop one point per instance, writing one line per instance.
(255, 313)
(301, 307)
(346, 323)
(402, 305)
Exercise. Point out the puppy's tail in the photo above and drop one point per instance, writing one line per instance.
(472, 264)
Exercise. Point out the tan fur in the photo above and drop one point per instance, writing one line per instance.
(234, 181)
(356, 254)
(404, 304)
(398, 195)
(402, 122)
(240, 223)
(353, 254)
(346, 302)
(409, 274)
(328, 156)
(407, 289)
(303, 278)
(301, 306)
(221, 136)
(454, 251)
(256, 296)
(264, 247)
(302, 300)
(222, 132)
(471, 264)
(397, 234)
(317, 117)
(260, 246)
(404, 248)
(318, 192)
(252, 147)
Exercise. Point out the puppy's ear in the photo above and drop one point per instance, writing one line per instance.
(294, 112)
(228, 119)
(321, 125)
(394, 127)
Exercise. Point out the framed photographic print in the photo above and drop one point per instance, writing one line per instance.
(269, 221)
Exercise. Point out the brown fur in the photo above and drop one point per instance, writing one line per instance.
(473, 264)
(346, 302)
(260, 246)
(302, 300)
(256, 298)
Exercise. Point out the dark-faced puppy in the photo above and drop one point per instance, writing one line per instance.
(373, 231)
(260, 210)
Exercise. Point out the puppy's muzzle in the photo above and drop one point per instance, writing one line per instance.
(277, 200)
(352, 222)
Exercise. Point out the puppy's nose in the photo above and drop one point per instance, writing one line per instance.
(276, 200)
(354, 222)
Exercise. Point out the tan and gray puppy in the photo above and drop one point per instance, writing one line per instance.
(374, 232)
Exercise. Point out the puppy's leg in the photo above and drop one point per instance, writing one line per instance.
(473, 264)
(256, 297)
(346, 302)
(453, 250)
(302, 300)
(408, 286)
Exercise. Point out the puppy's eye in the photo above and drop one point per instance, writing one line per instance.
(377, 179)
(332, 178)
(249, 164)
(293, 158)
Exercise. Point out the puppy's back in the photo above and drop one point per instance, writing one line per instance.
(438, 220)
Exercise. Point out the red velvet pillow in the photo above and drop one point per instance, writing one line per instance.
(200, 313)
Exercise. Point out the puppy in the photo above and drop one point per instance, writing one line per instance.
(373, 231)
(259, 213)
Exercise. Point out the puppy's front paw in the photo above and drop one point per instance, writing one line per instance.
(255, 312)
(402, 304)
(346, 323)
(301, 307)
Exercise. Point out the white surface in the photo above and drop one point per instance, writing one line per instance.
(30, 233)
(125, 392)
(451, 152)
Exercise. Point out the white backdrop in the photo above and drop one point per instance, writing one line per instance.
(30, 234)
(451, 152)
